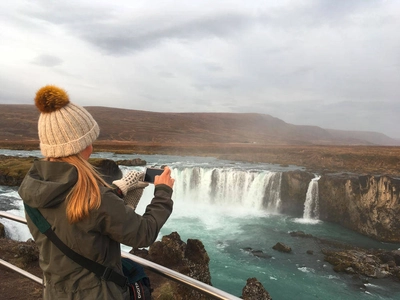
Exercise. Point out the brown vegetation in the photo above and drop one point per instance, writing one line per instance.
(242, 137)
(13, 169)
(375, 160)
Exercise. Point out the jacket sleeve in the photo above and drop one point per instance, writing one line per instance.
(122, 224)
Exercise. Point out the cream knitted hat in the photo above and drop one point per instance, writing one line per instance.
(64, 128)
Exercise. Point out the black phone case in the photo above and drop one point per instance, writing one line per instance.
(151, 173)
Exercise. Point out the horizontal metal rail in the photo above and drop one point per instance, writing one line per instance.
(156, 268)
(22, 272)
(12, 217)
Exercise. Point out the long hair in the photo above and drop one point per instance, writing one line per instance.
(85, 195)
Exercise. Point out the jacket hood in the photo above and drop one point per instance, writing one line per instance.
(47, 183)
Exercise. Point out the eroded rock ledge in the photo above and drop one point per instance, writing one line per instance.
(366, 204)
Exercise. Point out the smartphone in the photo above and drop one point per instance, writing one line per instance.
(151, 173)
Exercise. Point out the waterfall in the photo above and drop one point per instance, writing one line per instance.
(227, 186)
(311, 205)
(237, 191)
(272, 198)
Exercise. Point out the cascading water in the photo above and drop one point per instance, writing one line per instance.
(225, 186)
(273, 193)
(311, 205)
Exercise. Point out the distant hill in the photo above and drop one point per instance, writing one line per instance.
(19, 122)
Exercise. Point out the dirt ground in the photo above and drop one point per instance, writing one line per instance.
(14, 286)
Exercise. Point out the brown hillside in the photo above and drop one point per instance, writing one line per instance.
(243, 137)
(19, 122)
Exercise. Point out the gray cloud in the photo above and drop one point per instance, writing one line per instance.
(118, 36)
(216, 83)
(14, 91)
(134, 36)
(166, 74)
(47, 60)
(333, 64)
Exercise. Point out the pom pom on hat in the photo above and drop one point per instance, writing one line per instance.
(64, 128)
(51, 98)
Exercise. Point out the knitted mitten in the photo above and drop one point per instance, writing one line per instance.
(132, 180)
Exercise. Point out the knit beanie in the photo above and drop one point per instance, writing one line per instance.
(64, 128)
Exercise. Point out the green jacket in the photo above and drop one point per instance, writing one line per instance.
(98, 237)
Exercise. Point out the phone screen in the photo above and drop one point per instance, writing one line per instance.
(151, 173)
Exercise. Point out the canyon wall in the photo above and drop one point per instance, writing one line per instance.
(366, 204)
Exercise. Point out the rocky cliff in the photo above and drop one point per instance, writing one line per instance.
(294, 187)
(367, 204)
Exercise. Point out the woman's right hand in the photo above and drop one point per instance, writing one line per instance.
(165, 178)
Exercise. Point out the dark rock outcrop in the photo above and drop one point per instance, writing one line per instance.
(132, 162)
(257, 253)
(8, 180)
(282, 248)
(19, 254)
(373, 264)
(26, 252)
(189, 258)
(254, 290)
(294, 187)
(108, 169)
(362, 263)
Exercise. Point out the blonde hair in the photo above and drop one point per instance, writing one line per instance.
(85, 195)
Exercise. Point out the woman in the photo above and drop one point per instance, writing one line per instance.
(84, 212)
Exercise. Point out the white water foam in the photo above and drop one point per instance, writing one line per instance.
(306, 270)
(16, 230)
(13, 229)
(307, 221)
(11, 194)
(273, 278)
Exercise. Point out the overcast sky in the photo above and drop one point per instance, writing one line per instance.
(333, 64)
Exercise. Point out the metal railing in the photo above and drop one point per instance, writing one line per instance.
(156, 268)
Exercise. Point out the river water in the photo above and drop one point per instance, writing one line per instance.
(232, 206)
